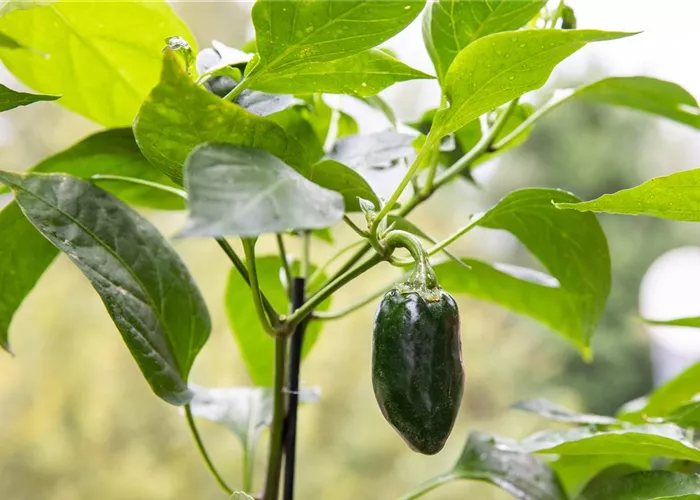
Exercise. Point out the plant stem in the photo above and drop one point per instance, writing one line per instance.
(552, 103)
(429, 485)
(285, 264)
(452, 238)
(331, 315)
(247, 471)
(236, 91)
(361, 232)
(316, 274)
(483, 146)
(249, 249)
(274, 462)
(203, 451)
(306, 256)
(243, 271)
(300, 314)
(425, 150)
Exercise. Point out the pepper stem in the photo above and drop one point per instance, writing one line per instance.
(423, 277)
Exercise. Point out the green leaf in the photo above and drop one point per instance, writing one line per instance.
(550, 411)
(257, 347)
(576, 471)
(692, 322)
(451, 25)
(650, 95)
(574, 251)
(346, 125)
(687, 415)
(104, 69)
(364, 74)
(114, 152)
(675, 197)
(324, 234)
(24, 257)
(293, 34)
(524, 476)
(127, 261)
(646, 485)
(337, 177)
(498, 68)
(297, 126)
(245, 411)
(10, 99)
(248, 192)
(643, 440)
(378, 150)
(319, 115)
(666, 398)
(178, 116)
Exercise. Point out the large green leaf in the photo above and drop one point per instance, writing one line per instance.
(687, 415)
(10, 99)
(666, 398)
(257, 347)
(178, 116)
(114, 152)
(144, 285)
(496, 461)
(364, 74)
(294, 33)
(248, 192)
(574, 251)
(451, 25)
(643, 440)
(550, 411)
(576, 471)
(102, 57)
(675, 197)
(337, 177)
(498, 68)
(645, 485)
(24, 257)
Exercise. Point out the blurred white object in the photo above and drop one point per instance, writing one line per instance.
(671, 290)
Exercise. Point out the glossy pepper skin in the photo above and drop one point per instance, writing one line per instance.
(417, 371)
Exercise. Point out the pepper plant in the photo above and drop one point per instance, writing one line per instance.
(244, 141)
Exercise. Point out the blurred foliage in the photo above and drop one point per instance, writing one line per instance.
(80, 423)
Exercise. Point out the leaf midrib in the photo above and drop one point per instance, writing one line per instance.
(121, 261)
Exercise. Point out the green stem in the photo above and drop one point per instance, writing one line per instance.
(435, 159)
(485, 145)
(440, 246)
(307, 308)
(285, 264)
(142, 182)
(317, 274)
(203, 451)
(555, 101)
(428, 486)
(423, 274)
(249, 249)
(420, 158)
(331, 315)
(361, 232)
(247, 471)
(243, 271)
(236, 91)
(274, 463)
(306, 256)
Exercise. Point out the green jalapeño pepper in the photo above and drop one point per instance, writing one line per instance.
(417, 371)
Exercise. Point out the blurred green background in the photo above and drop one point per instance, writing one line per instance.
(80, 423)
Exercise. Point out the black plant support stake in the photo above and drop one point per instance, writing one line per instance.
(290, 434)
